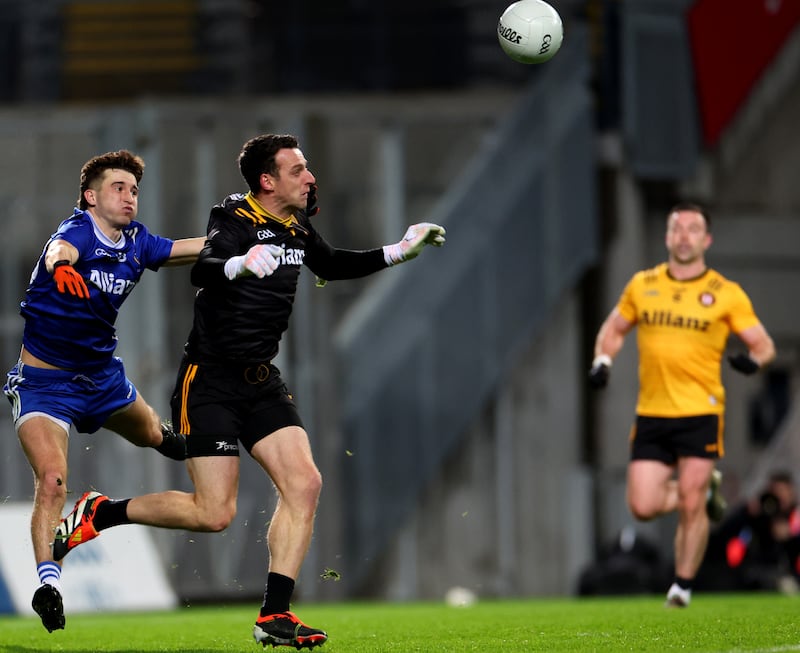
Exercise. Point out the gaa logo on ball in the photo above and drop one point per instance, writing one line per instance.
(530, 31)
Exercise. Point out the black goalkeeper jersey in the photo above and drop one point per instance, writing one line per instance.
(242, 321)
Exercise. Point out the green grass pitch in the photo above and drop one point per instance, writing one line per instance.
(736, 623)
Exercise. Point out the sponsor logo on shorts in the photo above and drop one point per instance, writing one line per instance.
(225, 446)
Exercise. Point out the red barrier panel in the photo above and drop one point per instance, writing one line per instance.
(733, 41)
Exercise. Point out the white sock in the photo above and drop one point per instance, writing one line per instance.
(49, 574)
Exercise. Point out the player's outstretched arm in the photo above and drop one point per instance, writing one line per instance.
(331, 263)
(417, 236)
(185, 251)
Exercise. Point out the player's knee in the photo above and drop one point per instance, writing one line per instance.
(300, 492)
(52, 485)
(217, 520)
(154, 435)
(306, 493)
(312, 487)
(641, 510)
(642, 515)
(693, 503)
(315, 483)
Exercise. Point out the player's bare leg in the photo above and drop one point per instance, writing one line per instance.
(139, 424)
(651, 491)
(210, 508)
(286, 457)
(691, 536)
(45, 445)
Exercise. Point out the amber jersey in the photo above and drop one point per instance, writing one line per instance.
(682, 331)
(242, 321)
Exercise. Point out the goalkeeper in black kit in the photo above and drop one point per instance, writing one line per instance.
(229, 394)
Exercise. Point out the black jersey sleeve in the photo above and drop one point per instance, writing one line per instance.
(225, 239)
(331, 263)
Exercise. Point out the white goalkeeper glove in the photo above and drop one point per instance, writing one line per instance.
(417, 236)
(260, 260)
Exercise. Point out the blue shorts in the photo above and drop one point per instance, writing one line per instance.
(85, 400)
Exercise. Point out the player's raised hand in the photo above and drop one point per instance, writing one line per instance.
(68, 281)
(260, 260)
(417, 236)
(311, 201)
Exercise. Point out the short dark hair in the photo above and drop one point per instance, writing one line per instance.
(258, 156)
(94, 168)
(692, 206)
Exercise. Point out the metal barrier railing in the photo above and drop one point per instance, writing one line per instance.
(423, 349)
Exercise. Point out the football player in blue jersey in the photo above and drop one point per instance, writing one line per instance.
(67, 374)
(229, 394)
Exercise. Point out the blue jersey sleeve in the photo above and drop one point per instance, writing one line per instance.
(153, 250)
(77, 231)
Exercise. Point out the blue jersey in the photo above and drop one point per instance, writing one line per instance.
(74, 333)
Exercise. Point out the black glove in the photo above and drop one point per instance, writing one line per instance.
(601, 369)
(311, 201)
(744, 364)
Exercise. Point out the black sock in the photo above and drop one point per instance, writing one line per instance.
(173, 445)
(684, 583)
(111, 513)
(278, 594)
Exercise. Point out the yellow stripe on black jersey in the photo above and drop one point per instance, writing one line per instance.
(682, 331)
(257, 214)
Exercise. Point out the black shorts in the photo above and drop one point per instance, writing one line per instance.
(669, 438)
(219, 406)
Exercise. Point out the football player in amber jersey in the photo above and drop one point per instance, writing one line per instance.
(683, 312)
(229, 393)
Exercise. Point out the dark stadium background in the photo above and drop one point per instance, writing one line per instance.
(446, 401)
